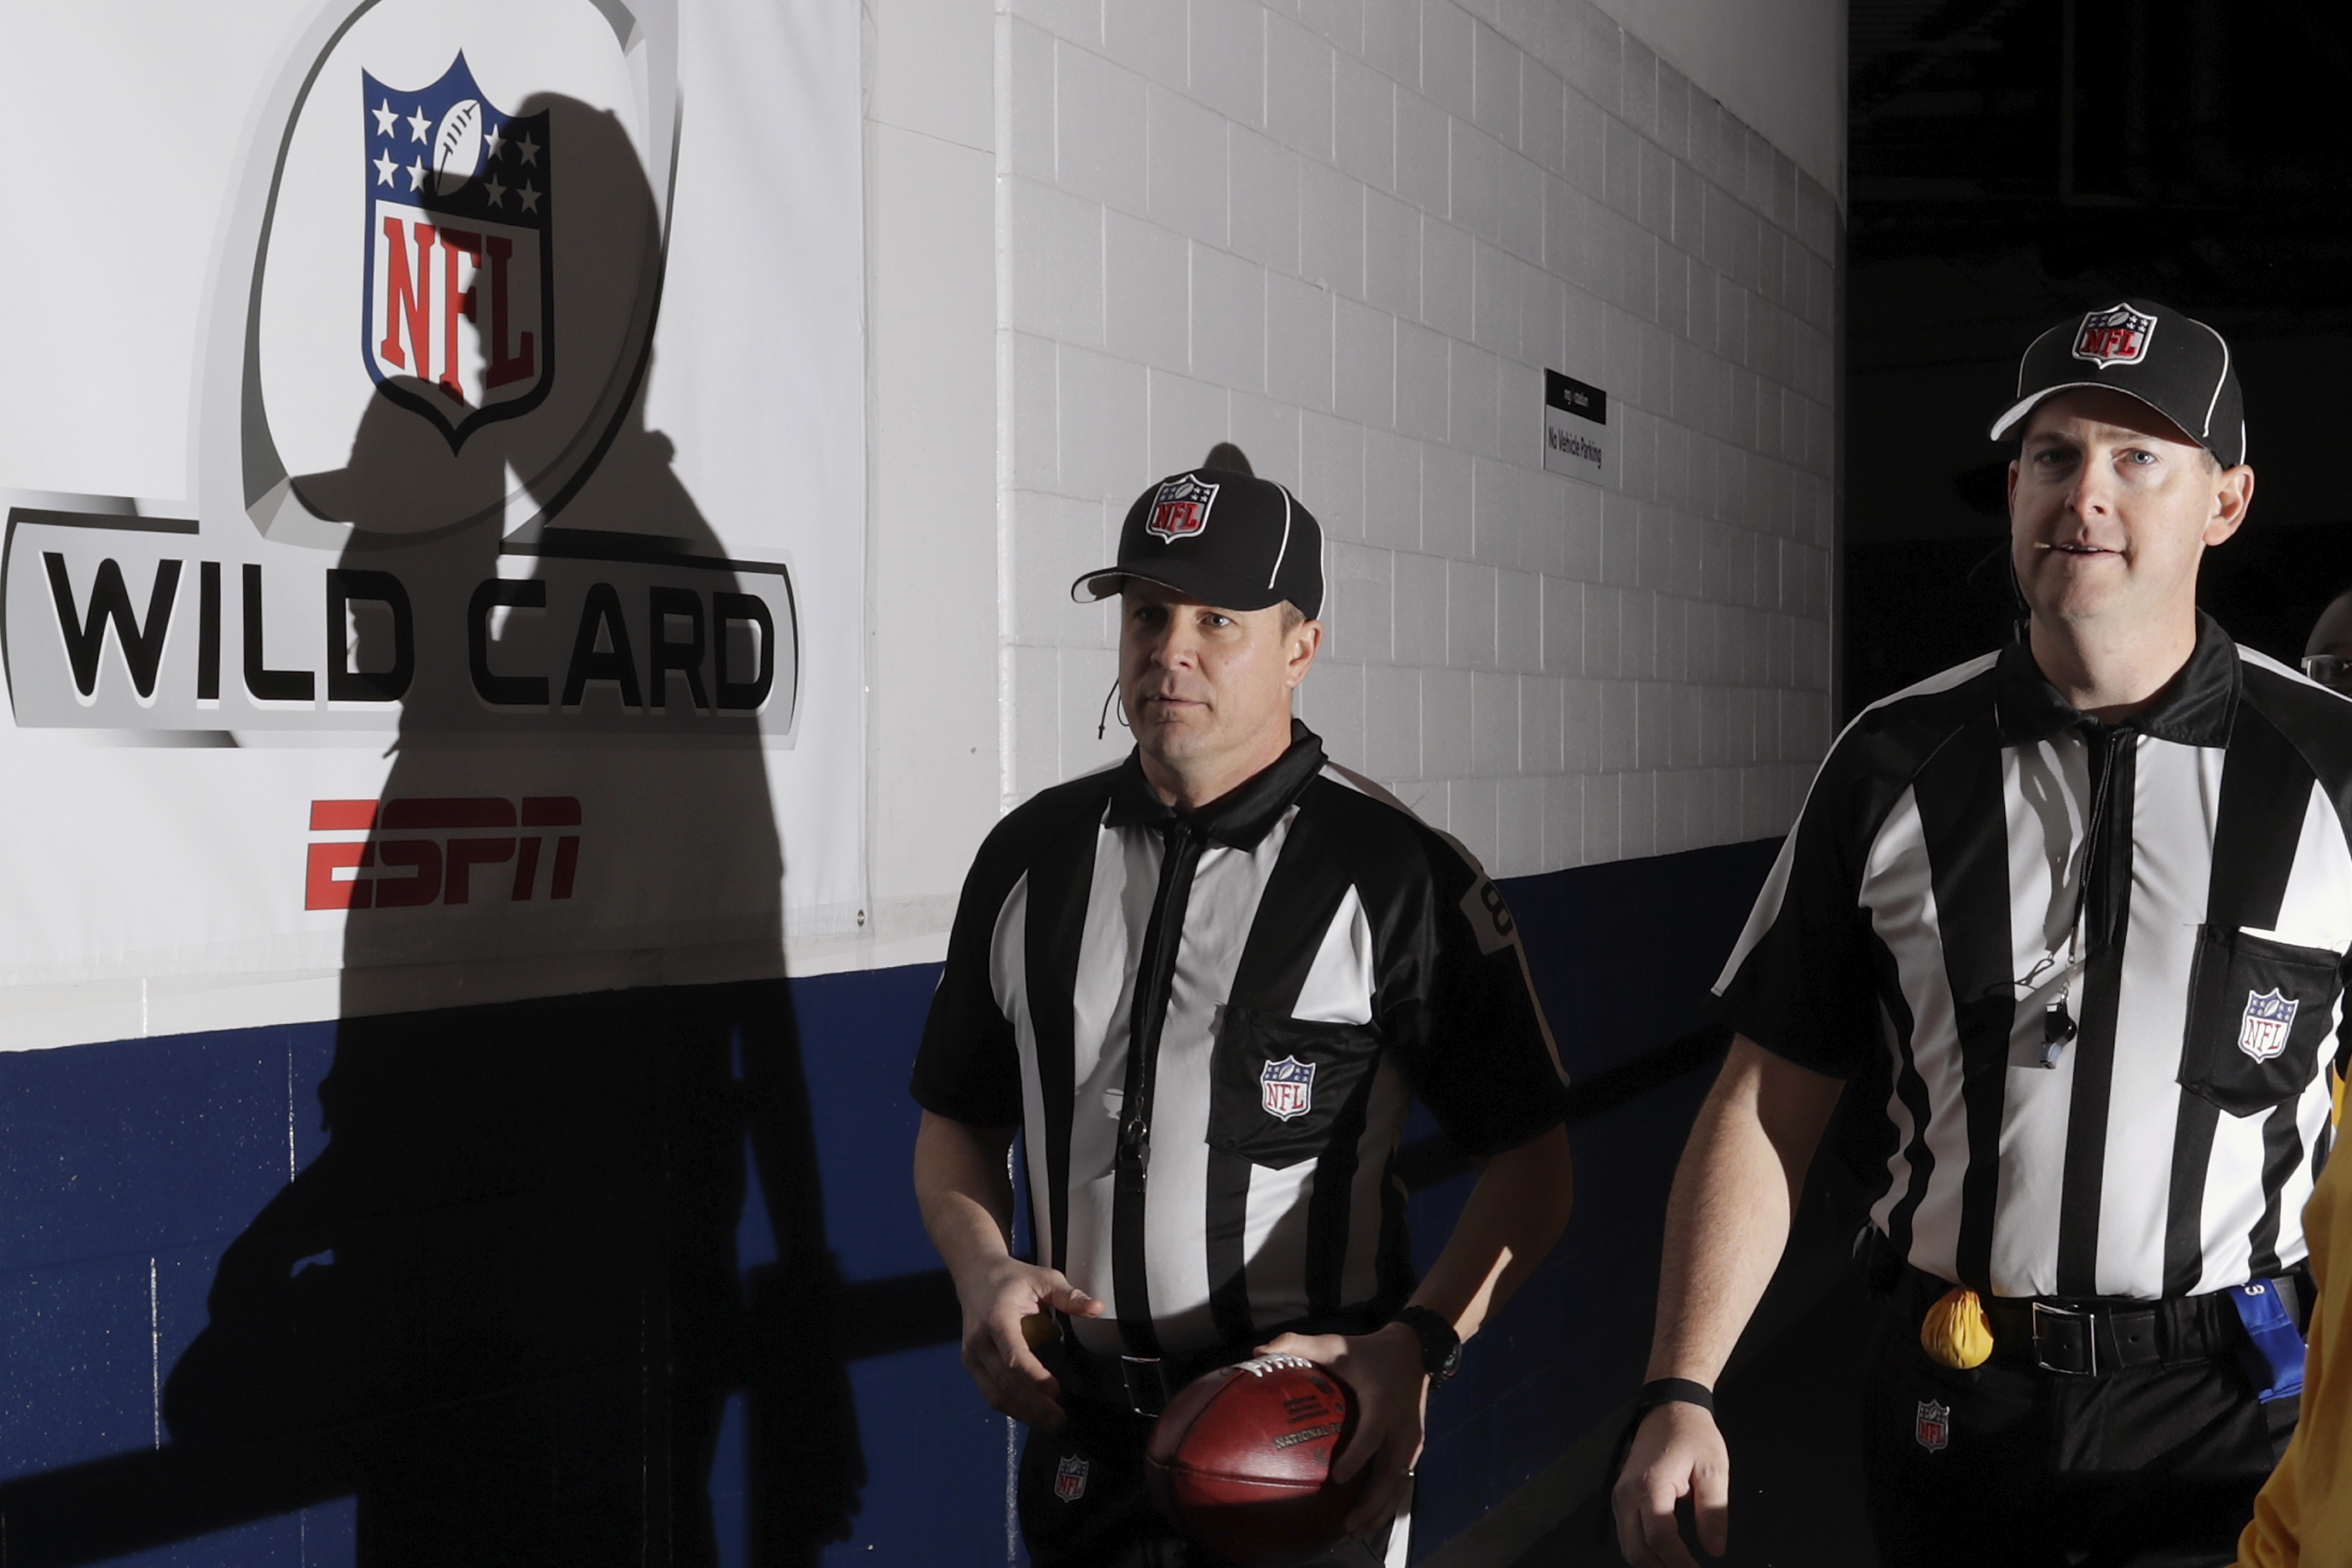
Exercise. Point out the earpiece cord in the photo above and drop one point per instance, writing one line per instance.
(1102, 720)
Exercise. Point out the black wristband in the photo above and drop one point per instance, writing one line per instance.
(1674, 1391)
(1441, 1346)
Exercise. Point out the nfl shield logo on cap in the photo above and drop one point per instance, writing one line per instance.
(1934, 1426)
(1181, 507)
(2115, 335)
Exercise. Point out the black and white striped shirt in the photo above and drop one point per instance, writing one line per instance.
(1298, 959)
(1974, 851)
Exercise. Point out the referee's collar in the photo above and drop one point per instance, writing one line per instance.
(2194, 709)
(1240, 817)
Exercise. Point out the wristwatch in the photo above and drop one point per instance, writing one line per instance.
(1441, 1347)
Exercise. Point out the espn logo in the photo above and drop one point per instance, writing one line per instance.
(412, 856)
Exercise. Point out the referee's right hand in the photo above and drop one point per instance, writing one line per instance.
(996, 1299)
(1677, 1452)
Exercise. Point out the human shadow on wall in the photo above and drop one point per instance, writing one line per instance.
(505, 1304)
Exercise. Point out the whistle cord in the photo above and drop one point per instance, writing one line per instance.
(2058, 1025)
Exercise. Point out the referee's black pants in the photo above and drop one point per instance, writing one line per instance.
(2150, 1467)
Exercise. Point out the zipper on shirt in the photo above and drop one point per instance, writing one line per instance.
(1155, 976)
(2059, 1027)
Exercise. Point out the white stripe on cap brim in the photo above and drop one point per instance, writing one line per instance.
(1108, 581)
(2026, 405)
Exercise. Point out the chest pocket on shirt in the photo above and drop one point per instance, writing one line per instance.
(2259, 1013)
(1279, 1084)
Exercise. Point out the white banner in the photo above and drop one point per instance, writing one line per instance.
(433, 454)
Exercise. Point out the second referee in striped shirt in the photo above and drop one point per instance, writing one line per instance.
(2075, 916)
(1207, 982)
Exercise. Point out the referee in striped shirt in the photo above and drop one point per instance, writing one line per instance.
(1207, 983)
(2074, 915)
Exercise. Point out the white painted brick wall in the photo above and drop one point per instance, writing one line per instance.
(1351, 235)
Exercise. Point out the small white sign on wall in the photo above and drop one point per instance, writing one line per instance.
(1576, 419)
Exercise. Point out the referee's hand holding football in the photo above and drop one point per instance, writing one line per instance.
(1384, 1370)
(1677, 1452)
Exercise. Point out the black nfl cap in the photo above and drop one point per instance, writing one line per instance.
(2174, 364)
(1220, 535)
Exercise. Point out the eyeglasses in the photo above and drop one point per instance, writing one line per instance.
(2331, 670)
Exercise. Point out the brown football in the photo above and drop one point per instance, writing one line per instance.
(1240, 1460)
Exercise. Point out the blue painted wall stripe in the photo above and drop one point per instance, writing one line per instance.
(498, 1179)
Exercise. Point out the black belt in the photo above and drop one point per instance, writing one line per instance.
(1139, 1384)
(2084, 1338)
(2088, 1336)
(1143, 1384)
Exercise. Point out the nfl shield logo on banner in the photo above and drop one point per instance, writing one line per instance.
(1286, 1088)
(1181, 508)
(1934, 1428)
(1070, 1479)
(2115, 335)
(456, 319)
(2270, 1018)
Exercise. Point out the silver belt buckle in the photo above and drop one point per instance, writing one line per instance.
(1147, 1388)
(2063, 1326)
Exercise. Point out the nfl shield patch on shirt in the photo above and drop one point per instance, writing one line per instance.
(2269, 1018)
(1070, 1479)
(1286, 1088)
(1934, 1426)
